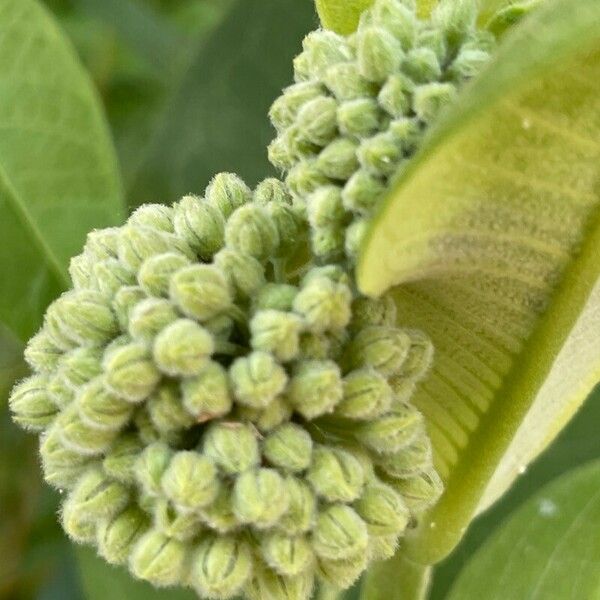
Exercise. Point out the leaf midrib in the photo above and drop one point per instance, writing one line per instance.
(487, 445)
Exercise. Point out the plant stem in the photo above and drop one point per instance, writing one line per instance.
(396, 579)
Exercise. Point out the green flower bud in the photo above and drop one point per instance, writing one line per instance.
(271, 191)
(373, 311)
(316, 120)
(325, 207)
(323, 49)
(276, 332)
(336, 475)
(324, 304)
(457, 19)
(260, 497)
(379, 54)
(145, 427)
(367, 395)
(314, 346)
(97, 496)
(227, 192)
(275, 296)
(280, 152)
(76, 524)
(305, 178)
(327, 242)
(398, 19)
(130, 372)
(150, 466)
(288, 556)
(158, 559)
(102, 243)
(81, 317)
(382, 348)
(392, 432)
(408, 461)
(221, 566)
(383, 510)
(362, 192)
(468, 64)
(267, 584)
(155, 273)
(340, 534)
(421, 491)
(267, 419)
(183, 348)
(190, 481)
(137, 244)
(80, 271)
(290, 227)
(338, 160)
(120, 461)
(200, 291)
(434, 40)
(109, 275)
(61, 465)
(41, 354)
(155, 216)
(31, 405)
(394, 96)
(301, 514)
(359, 118)
(232, 446)
(342, 574)
(250, 230)
(219, 515)
(316, 388)
(80, 366)
(100, 409)
(355, 235)
(167, 411)
(79, 437)
(289, 447)
(124, 302)
(245, 274)
(407, 133)
(206, 396)
(201, 225)
(285, 109)
(380, 155)
(431, 98)
(382, 547)
(257, 379)
(169, 520)
(346, 83)
(420, 356)
(116, 537)
(220, 327)
(422, 65)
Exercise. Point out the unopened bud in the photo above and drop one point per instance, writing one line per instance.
(305, 178)
(219, 515)
(422, 65)
(346, 83)
(379, 54)
(174, 523)
(383, 510)
(151, 465)
(61, 465)
(167, 411)
(301, 514)
(363, 190)
(41, 354)
(382, 547)
(275, 296)
(323, 49)
(336, 475)
(430, 99)
(342, 574)
(80, 366)
(367, 395)
(288, 556)
(408, 461)
(359, 118)
(271, 191)
(102, 243)
(183, 348)
(100, 409)
(250, 230)
(30, 404)
(398, 19)
(266, 419)
(420, 491)
(267, 584)
(80, 437)
(116, 537)
(155, 274)
(324, 304)
(227, 192)
(373, 311)
(325, 207)
(124, 302)
(289, 447)
(206, 396)
(76, 524)
(109, 276)
(155, 216)
(394, 96)
(276, 332)
(317, 120)
(232, 446)
(285, 109)
(257, 379)
(245, 274)
(119, 463)
(340, 534)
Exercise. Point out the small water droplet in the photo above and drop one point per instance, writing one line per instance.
(547, 507)
(526, 124)
(433, 524)
(522, 469)
(61, 491)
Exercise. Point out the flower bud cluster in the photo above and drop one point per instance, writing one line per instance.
(361, 105)
(224, 410)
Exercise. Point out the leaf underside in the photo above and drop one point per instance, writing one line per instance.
(549, 548)
(58, 174)
(492, 239)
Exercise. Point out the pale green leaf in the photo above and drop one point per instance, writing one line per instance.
(58, 174)
(550, 548)
(101, 581)
(492, 237)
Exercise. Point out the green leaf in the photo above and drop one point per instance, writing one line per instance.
(58, 174)
(491, 236)
(217, 120)
(101, 581)
(550, 548)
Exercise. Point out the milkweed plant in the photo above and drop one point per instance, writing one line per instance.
(272, 391)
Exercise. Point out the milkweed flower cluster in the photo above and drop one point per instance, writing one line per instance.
(223, 408)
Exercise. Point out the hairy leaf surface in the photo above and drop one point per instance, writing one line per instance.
(549, 548)
(492, 238)
(58, 174)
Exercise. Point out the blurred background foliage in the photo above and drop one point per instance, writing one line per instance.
(186, 85)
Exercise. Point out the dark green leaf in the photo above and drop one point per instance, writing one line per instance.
(58, 174)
